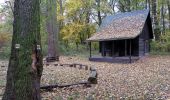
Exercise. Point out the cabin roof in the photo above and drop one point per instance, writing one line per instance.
(126, 25)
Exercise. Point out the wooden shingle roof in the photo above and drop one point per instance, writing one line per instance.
(121, 26)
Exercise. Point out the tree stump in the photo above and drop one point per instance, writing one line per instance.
(93, 77)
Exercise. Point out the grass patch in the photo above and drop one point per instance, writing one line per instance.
(5, 52)
(159, 53)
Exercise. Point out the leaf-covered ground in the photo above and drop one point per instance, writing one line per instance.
(146, 79)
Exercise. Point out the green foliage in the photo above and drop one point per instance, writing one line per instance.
(77, 28)
(4, 38)
(163, 45)
(74, 32)
(5, 51)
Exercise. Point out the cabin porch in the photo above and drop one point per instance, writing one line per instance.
(125, 59)
(116, 51)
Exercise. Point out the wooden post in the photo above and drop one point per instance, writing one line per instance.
(113, 49)
(130, 56)
(125, 47)
(93, 77)
(90, 50)
(103, 49)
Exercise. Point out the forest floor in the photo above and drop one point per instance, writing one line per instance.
(146, 79)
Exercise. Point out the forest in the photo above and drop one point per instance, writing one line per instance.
(44, 52)
(77, 20)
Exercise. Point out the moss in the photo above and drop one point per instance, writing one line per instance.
(22, 82)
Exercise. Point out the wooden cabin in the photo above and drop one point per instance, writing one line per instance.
(125, 36)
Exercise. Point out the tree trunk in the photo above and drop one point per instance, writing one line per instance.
(155, 20)
(136, 4)
(61, 7)
(149, 4)
(162, 18)
(168, 3)
(52, 29)
(112, 4)
(121, 6)
(25, 64)
(128, 5)
(98, 12)
(61, 21)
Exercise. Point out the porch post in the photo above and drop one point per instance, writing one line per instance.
(90, 49)
(125, 47)
(103, 49)
(130, 56)
(113, 49)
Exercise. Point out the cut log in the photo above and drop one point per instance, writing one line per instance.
(52, 59)
(86, 67)
(2, 66)
(80, 66)
(55, 64)
(93, 77)
(92, 69)
(71, 65)
(51, 87)
(74, 65)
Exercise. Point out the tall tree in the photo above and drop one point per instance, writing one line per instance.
(155, 19)
(61, 10)
(128, 5)
(162, 12)
(168, 4)
(112, 4)
(52, 29)
(125, 5)
(99, 11)
(149, 4)
(25, 64)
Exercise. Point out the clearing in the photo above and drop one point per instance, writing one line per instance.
(145, 79)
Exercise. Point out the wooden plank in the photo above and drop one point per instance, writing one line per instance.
(55, 64)
(51, 87)
(111, 60)
(130, 56)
